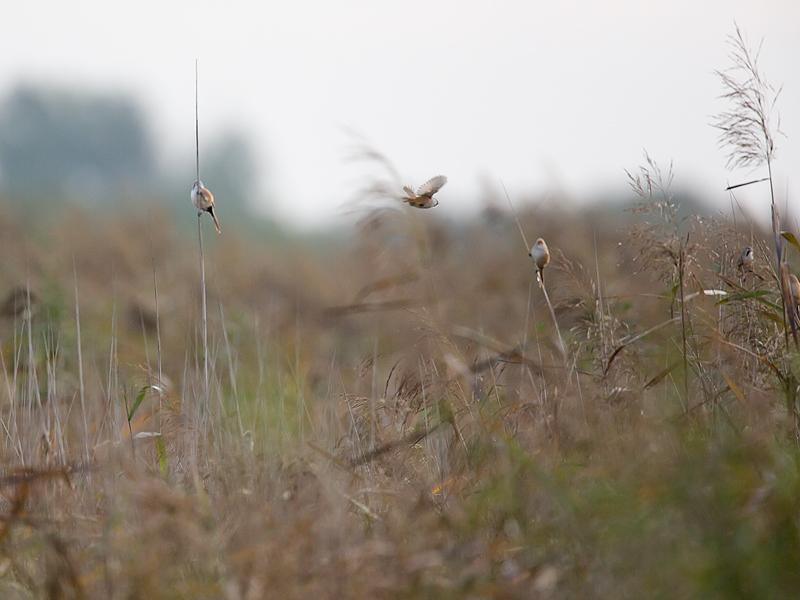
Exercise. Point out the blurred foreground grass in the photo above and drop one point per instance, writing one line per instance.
(390, 415)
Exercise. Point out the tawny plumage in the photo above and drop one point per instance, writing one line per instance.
(541, 256)
(203, 200)
(423, 197)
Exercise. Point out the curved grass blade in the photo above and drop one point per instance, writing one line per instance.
(791, 238)
(139, 399)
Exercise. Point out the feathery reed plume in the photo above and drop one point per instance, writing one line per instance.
(384, 179)
(747, 129)
(653, 186)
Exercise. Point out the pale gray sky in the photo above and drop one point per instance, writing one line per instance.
(542, 94)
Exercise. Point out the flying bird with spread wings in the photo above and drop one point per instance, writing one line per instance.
(423, 197)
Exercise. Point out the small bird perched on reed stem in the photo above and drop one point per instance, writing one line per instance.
(746, 263)
(203, 200)
(746, 260)
(541, 256)
(423, 197)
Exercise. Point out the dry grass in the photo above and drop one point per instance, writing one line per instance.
(404, 414)
(386, 423)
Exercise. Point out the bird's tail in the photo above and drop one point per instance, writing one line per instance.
(216, 220)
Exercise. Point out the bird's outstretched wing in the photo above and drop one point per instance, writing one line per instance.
(408, 191)
(433, 185)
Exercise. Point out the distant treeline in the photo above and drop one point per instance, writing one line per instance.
(59, 144)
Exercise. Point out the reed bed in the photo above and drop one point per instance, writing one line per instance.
(403, 411)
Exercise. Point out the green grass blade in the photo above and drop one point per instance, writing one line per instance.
(791, 238)
(161, 454)
(139, 399)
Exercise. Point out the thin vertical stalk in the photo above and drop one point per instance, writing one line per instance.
(231, 370)
(204, 311)
(196, 125)
(80, 363)
(158, 338)
(203, 292)
(373, 417)
(160, 383)
(532, 309)
(561, 345)
(683, 330)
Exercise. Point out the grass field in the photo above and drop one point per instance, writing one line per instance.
(391, 413)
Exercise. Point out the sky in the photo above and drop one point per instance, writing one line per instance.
(556, 96)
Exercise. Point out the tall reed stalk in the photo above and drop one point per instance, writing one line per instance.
(203, 289)
(747, 130)
(540, 279)
(80, 364)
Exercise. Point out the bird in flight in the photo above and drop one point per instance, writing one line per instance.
(423, 197)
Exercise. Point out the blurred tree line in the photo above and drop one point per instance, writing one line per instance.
(59, 145)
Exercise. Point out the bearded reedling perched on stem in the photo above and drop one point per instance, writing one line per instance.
(745, 264)
(423, 197)
(203, 201)
(541, 256)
